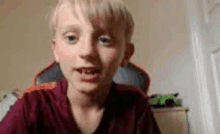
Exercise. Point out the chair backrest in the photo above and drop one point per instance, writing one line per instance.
(130, 75)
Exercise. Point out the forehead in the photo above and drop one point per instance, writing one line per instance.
(67, 16)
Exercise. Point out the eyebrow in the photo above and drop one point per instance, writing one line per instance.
(66, 28)
(77, 28)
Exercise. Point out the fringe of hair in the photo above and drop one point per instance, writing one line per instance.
(113, 13)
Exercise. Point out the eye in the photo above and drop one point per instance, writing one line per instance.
(71, 39)
(104, 40)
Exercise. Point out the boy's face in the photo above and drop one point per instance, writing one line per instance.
(88, 57)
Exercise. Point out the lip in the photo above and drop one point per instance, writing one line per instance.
(93, 77)
(95, 68)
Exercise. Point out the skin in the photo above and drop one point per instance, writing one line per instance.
(78, 44)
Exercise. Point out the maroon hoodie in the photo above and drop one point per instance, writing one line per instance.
(46, 110)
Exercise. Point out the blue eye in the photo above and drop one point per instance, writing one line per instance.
(71, 39)
(104, 40)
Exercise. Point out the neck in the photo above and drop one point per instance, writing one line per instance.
(84, 100)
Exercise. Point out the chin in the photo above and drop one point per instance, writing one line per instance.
(86, 87)
(90, 87)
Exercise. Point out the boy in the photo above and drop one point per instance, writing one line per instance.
(91, 40)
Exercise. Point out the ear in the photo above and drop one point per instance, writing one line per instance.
(53, 46)
(129, 51)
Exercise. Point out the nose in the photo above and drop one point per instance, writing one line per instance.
(87, 48)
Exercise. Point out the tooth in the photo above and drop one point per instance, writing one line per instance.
(83, 70)
(88, 71)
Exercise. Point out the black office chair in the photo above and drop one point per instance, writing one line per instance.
(130, 75)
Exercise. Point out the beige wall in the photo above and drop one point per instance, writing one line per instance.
(164, 50)
(24, 48)
(162, 44)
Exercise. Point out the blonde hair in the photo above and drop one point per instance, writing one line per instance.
(113, 12)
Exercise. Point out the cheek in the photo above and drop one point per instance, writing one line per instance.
(66, 58)
(112, 59)
(65, 53)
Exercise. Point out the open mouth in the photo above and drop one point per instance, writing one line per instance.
(89, 74)
(88, 71)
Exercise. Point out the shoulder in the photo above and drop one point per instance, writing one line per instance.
(35, 97)
(39, 91)
(44, 86)
(26, 109)
(128, 96)
(131, 91)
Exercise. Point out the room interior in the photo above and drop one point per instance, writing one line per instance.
(176, 43)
